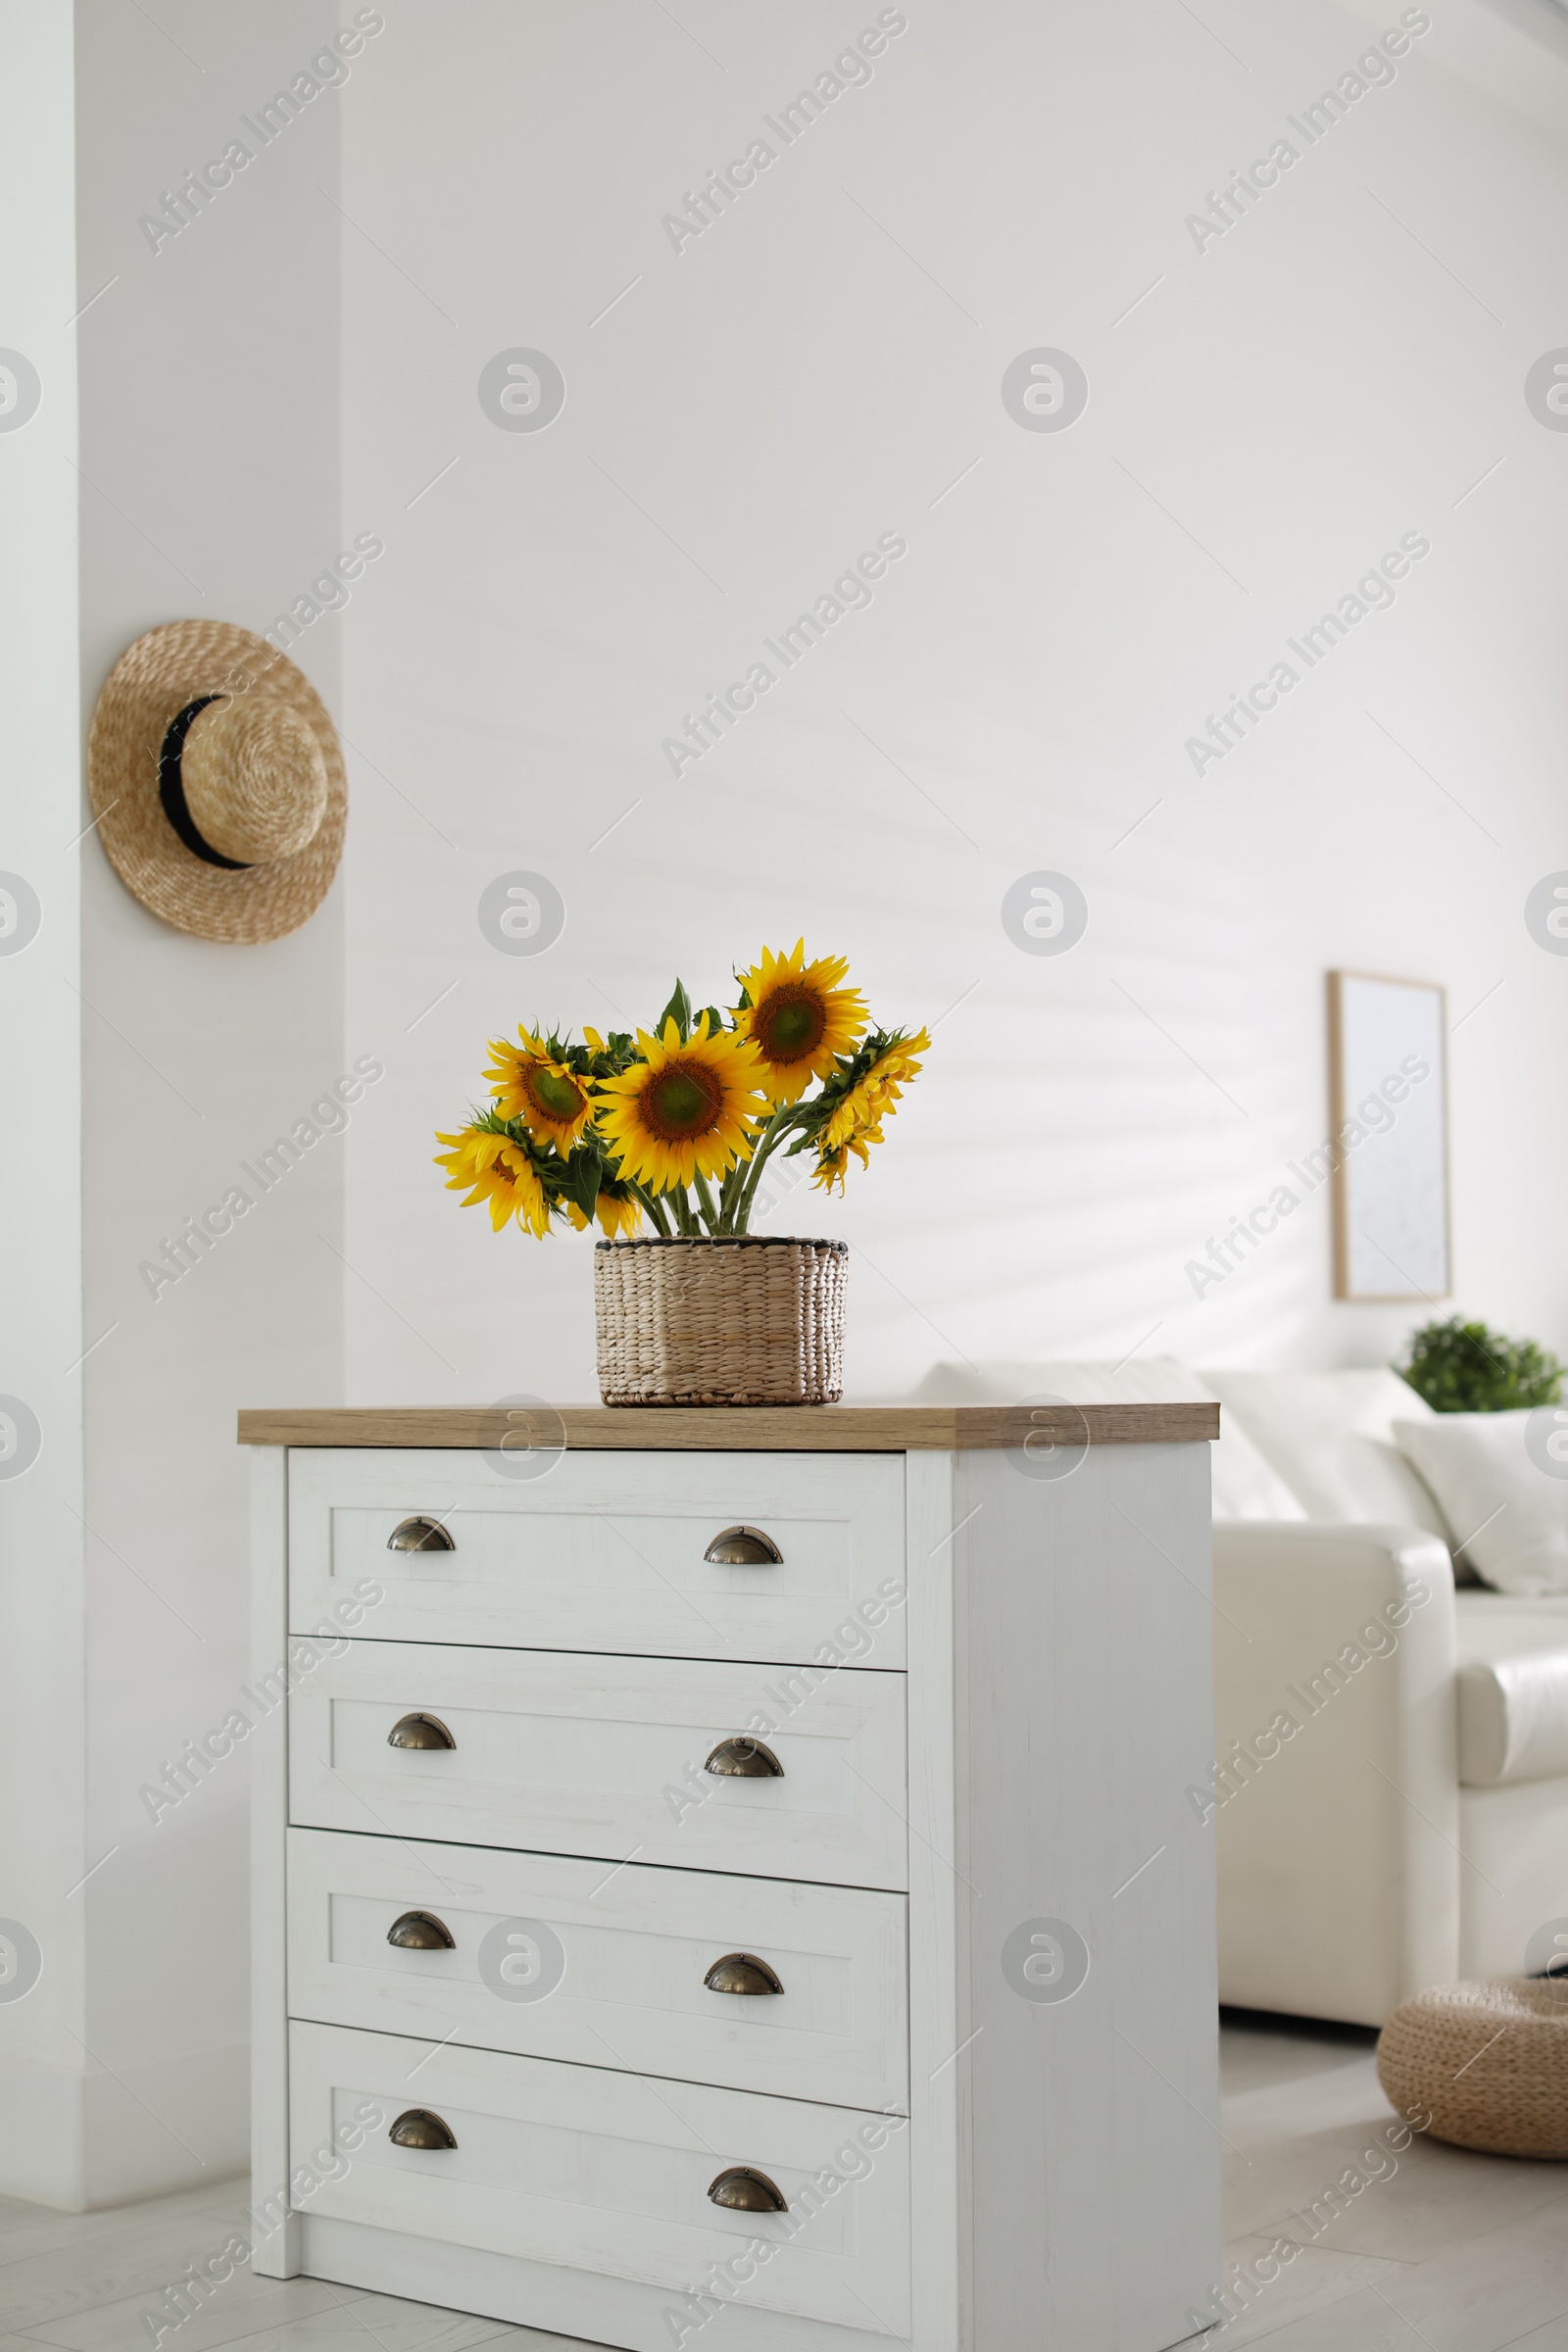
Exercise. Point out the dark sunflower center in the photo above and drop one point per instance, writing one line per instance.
(556, 1096)
(681, 1102)
(792, 1025)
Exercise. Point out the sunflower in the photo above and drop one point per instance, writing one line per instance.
(531, 1085)
(617, 1208)
(830, 1166)
(686, 1109)
(501, 1174)
(800, 1019)
(872, 1094)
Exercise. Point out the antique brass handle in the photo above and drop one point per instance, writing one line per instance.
(419, 1534)
(744, 1760)
(746, 2190)
(743, 1548)
(741, 1972)
(418, 2128)
(420, 1731)
(421, 1932)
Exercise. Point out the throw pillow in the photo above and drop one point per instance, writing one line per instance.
(1507, 1513)
(1329, 1437)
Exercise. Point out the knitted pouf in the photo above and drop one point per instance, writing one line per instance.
(1487, 2061)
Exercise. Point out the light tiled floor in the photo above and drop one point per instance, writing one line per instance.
(82, 2281)
(1451, 2252)
(1447, 2253)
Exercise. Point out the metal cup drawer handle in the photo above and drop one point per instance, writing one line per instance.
(744, 2190)
(744, 1760)
(420, 1533)
(421, 1932)
(420, 1731)
(741, 1972)
(421, 2128)
(743, 1548)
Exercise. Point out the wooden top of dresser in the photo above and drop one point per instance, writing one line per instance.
(732, 1429)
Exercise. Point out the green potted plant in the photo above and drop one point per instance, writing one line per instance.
(1461, 1367)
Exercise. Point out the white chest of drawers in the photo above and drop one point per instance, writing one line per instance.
(796, 1955)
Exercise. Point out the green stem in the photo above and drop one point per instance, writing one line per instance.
(655, 1209)
(705, 1199)
(730, 1192)
(786, 1116)
(681, 1209)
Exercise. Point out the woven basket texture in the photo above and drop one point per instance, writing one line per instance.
(757, 1319)
(1487, 2061)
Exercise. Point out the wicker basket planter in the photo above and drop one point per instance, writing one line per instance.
(753, 1319)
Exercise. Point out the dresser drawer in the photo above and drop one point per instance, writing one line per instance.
(605, 1551)
(557, 1958)
(608, 2173)
(560, 1753)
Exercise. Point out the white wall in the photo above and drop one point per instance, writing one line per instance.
(1335, 371)
(206, 465)
(41, 1542)
(210, 405)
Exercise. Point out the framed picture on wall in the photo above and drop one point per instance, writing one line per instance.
(1389, 1093)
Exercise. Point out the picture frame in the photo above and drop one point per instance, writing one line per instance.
(1389, 1138)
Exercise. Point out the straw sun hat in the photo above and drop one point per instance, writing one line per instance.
(217, 782)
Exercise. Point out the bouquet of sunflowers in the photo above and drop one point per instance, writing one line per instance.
(679, 1125)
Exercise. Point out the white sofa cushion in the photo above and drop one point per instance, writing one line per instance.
(1509, 1516)
(1244, 1485)
(1513, 1688)
(1329, 1437)
(1513, 1720)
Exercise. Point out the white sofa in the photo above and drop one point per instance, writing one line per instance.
(1390, 1792)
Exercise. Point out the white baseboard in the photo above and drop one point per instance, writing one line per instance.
(79, 2139)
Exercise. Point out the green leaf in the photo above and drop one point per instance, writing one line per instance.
(678, 1009)
(585, 1172)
